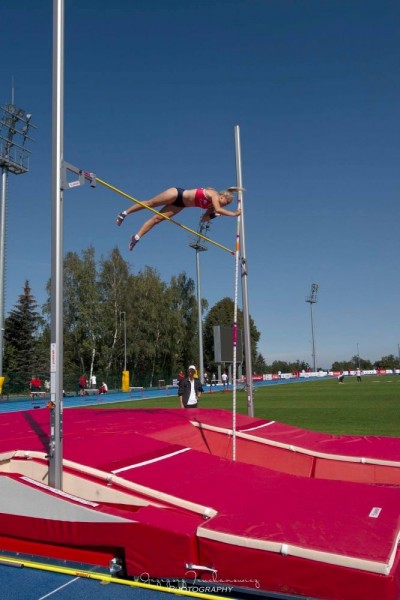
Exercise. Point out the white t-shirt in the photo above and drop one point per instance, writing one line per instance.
(192, 398)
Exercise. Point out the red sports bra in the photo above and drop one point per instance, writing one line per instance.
(201, 200)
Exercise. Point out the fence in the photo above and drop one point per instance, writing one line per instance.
(17, 383)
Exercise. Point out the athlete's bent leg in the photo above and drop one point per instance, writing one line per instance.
(168, 211)
(164, 199)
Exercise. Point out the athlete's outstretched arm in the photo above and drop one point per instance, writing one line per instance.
(217, 208)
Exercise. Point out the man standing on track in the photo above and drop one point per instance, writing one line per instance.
(190, 389)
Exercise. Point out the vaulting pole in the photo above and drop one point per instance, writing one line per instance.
(235, 333)
(57, 291)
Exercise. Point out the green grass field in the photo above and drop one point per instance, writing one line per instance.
(371, 407)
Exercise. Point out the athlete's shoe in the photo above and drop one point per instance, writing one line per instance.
(133, 242)
(120, 218)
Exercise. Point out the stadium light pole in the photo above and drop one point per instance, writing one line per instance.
(15, 125)
(312, 299)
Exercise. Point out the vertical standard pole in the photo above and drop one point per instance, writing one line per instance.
(200, 321)
(246, 317)
(124, 341)
(56, 351)
(3, 212)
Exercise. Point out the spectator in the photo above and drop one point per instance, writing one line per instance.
(93, 382)
(103, 388)
(190, 389)
(225, 378)
(35, 385)
(82, 385)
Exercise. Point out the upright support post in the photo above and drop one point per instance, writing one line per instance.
(57, 320)
(199, 317)
(246, 317)
(3, 212)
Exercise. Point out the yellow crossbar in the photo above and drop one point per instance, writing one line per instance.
(30, 564)
(114, 189)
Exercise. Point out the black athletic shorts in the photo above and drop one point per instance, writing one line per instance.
(179, 199)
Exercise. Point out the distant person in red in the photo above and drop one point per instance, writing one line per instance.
(181, 375)
(103, 388)
(82, 385)
(35, 384)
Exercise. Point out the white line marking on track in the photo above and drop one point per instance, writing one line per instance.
(59, 588)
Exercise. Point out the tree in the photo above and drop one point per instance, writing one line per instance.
(82, 309)
(149, 343)
(351, 365)
(280, 366)
(184, 306)
(259, 365)
(387, 362)
(22, 330)
(114, 280)
(299, 366)
(222, 314)
(344, 365)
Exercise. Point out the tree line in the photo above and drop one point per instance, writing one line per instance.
(112, 316)
(385, 362)
(102, 301)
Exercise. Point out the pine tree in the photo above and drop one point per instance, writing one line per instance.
(21, 334)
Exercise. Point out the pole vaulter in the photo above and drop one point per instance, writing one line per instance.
(93, 179)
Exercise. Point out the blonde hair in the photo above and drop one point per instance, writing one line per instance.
(228, 196)
(228, 193)
(235, 189)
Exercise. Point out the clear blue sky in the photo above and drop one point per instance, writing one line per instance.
(153, 90)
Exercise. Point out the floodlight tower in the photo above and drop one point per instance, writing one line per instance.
(200, 247)
(15, 125)
(312, 299)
